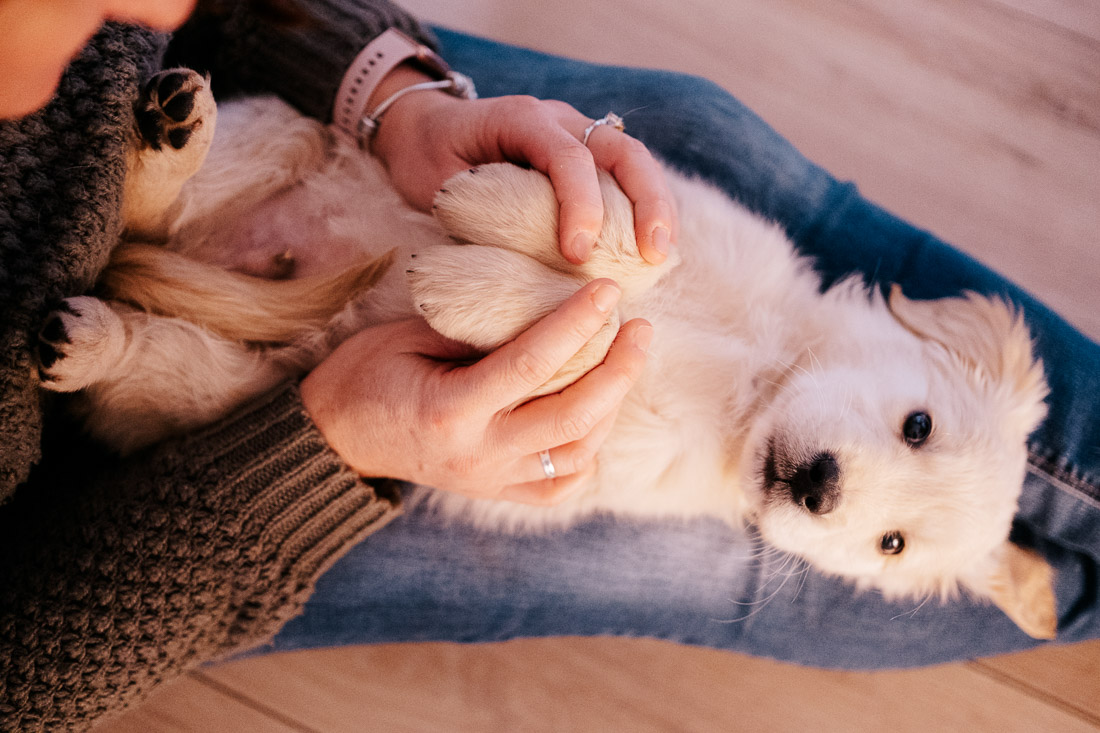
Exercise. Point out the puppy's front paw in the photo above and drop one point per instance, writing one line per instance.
(172, 108)
(502, 205)
(79, 344)
(483, 296)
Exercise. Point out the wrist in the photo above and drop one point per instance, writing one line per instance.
(316, 392)
(405, 119)
(384, 73)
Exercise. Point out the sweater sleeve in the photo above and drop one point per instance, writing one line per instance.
(302, 62)
(199, 548)
(117, 575)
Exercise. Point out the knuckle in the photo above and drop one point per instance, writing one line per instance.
(574, 152)
(575, 423)
(655, 206)
(440, 417)
(585, 327)
(462, 469)
(531, 368)
(624, 376)
(557, 106)
(634, 147)
(527, 105)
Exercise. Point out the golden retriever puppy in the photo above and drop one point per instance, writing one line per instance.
(880, 439)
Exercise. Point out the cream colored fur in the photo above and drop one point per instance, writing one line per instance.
(750, 364)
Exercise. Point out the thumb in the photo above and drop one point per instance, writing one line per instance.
(428, 343)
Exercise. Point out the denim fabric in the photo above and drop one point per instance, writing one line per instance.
(702, 582)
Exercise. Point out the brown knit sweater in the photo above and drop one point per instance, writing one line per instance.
(118, 574)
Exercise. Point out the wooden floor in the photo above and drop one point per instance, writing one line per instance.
(979, 120)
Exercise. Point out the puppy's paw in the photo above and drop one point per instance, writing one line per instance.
(79, 344)
(174, 121)
(514, 208)
(172, 110)
(501, 205)
(483, 296)
(486, 296)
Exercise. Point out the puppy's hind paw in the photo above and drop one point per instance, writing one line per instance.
(80, 342)
(172, 108)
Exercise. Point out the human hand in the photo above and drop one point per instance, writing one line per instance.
(393, 402)
(426, 137)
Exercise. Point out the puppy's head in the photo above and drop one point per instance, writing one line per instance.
(897, 460)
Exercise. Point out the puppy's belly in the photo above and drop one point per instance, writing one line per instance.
(287, 236)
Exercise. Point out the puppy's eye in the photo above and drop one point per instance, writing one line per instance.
(892, 543)
(916, 428)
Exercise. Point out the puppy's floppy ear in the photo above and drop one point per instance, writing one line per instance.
(1022, 585)
(991, 338)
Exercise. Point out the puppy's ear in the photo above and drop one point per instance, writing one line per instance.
(991, 338)
(1022, 585)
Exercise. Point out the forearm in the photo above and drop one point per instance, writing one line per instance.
(302, 63)
(189, 552)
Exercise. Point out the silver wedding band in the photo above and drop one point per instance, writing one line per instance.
(547, 464)
(608, 119)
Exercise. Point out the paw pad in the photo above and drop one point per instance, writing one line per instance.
(79, 342)
(53, 338)
(166, 113)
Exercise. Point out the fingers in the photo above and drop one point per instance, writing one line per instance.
(573, 175)
(576, 412)
(547, 492)
(549, 138)
(514, 370)
(574, 464)
(643, 181)
(550, 142)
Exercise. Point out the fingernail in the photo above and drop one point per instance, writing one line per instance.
(581, 246)
(605, 297)
(643, 336)
(661, 240)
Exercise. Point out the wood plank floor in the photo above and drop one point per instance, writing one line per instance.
(979, 121)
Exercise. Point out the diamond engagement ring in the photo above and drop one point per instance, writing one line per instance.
(608, 119)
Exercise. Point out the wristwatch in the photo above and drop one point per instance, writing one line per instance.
(381, 56)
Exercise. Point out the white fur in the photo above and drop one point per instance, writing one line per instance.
(747, 357)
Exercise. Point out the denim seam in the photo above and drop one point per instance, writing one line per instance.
(1064, 474)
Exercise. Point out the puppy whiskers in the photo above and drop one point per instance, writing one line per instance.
(910, 614)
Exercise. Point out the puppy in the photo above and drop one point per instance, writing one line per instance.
(879, 438)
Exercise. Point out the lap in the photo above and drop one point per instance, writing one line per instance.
(702, 582)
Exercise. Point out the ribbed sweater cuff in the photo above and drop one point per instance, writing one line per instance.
(188, 552)
(299, 506)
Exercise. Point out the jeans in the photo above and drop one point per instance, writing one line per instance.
(702, 582)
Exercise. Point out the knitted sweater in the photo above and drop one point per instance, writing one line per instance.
(118, 574)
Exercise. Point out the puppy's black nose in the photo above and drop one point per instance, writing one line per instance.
(816, 484)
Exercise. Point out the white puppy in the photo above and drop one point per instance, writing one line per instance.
(881, 441)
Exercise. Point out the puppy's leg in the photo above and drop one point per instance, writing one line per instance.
(81, 343)
(512, 271)
(143, 378)
(501, 205)
(174, 121)
(486, 296)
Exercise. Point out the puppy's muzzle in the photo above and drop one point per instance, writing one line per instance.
(815, 484)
